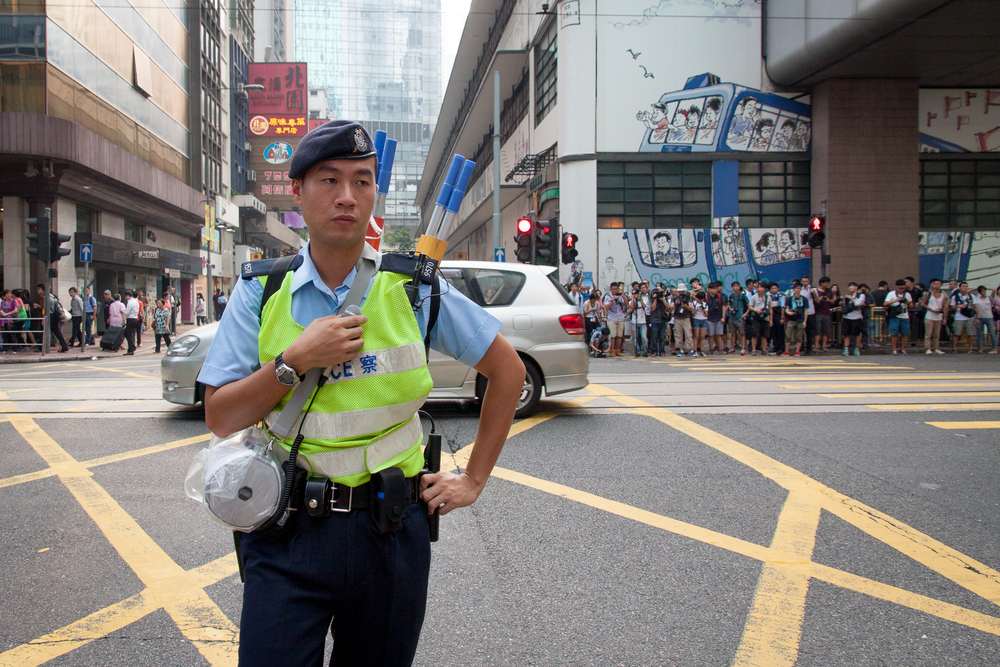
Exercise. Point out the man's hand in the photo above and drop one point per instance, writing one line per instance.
(445, 491)
(327, 341)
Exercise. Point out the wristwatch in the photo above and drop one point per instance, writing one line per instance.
(286, 374)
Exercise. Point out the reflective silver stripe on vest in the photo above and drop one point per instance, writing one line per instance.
(370, 363)
(350, 423)
(353, 460)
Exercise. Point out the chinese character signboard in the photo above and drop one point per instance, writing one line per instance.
(278, 120)
(281, 108)
(271, 160)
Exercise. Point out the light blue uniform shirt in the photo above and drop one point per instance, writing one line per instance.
(463, 330)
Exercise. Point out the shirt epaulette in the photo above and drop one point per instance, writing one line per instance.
(406, 264)
(261, 267)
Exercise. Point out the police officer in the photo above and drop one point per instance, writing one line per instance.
(337, 568)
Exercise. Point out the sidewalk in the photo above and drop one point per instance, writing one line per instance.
(92, 351)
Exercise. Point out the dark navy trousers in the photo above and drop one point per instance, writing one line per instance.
(334, 570)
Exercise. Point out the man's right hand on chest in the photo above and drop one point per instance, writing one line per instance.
(325, 342)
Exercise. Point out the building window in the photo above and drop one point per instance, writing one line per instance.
(959, 193)
(514, 109)
(637, 195)
(86, 220)
(134, 232)
(774, 194)
(545, 73)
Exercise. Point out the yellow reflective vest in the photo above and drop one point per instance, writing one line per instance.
(364, 418)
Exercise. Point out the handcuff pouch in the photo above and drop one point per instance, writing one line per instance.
(387, 500)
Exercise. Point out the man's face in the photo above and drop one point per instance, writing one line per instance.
(935, 285)
(953, 284)
(337, 198)
(805, 283)
(644, 289)
(661, 243)
(963, 288)
(736, 288)
(773, 289)
(851, 289)
(824, 286)
(761, 290)
(574, 288)
(900, 289)
(909, 284)
(39, 291)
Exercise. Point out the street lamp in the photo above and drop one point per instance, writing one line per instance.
(239, 87)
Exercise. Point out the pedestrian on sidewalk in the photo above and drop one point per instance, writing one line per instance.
(109, 299)
(984, 312)
(761, 320)
(76, 313)
(965, 316)
(199, 310)
(90, 309)
(614, 306)
(897, 309)
(796, 317)
(116, 314)
(131, 321)
(161, 324)
(8, 313)
(854, 320)
(53, 310)
(683, 311)
(172, 303)
(935, 303)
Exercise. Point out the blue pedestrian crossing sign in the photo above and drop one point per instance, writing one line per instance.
(86, 252)
(499, 254)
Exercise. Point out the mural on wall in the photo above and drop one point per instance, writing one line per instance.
(646, 53)
(969, 256)
(959, 120)
(710, 116)
(725, 252)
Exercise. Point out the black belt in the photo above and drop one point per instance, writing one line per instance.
(317, 493)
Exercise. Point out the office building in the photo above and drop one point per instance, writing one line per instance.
(380, 64)
(700, 138)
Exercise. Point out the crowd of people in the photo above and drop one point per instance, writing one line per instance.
(22, 318)
(759, 318)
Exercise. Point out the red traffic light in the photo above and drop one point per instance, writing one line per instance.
(524, 225)
(816, 224)
(570, 240)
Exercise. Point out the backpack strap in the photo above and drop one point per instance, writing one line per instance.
(275, 271)
(435, 298)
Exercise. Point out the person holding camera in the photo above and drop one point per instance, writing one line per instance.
(599, 343)
(795, 316)
(854, 321)
(639, 307)
(683, 312)
(760, 320)
(935, 303)
(963, 305)
(897, 310)
(659, 313)
(615, 306)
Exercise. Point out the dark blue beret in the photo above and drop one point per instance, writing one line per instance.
(336, 140)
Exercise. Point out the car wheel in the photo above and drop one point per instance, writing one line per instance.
(531, 392)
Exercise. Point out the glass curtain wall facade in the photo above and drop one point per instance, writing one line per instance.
(380, 63)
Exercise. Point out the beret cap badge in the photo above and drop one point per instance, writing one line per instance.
(360, 143)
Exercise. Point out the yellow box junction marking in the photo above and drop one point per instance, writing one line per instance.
(934, 406)
(964, 425)
(168, 586)
(772, 632)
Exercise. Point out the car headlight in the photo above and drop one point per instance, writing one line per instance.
(183, 347)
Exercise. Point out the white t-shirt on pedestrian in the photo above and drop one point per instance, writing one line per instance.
(984, 307)
(807, 294)
(858, 299)
(894, 297)
(700, 310)
(957, 301)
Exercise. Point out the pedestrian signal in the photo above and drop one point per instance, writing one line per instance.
(568, 246)
(525, 241)
(816, 235)
(38, 231)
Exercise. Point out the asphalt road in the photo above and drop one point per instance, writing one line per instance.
(720, 511)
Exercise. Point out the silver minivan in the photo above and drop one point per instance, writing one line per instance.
(539, 320)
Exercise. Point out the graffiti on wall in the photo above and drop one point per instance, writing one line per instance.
(726, 252)
(959, 120)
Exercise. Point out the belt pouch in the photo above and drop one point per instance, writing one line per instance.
(387, 500)
(317, 496)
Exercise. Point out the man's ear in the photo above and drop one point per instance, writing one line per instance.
(297, 191)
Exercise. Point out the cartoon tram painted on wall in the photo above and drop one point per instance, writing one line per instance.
(709, 116)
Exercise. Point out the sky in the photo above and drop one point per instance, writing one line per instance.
(453, 14)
